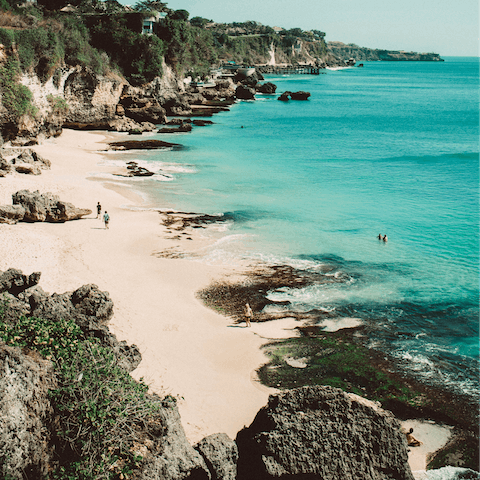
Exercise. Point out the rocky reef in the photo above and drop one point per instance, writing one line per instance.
(310, 432)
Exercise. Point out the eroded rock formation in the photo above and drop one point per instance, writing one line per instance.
(322, 432)
(25, 410)
(22, 161)
(36, 207)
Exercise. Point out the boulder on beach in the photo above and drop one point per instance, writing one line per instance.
(22, 161)
(44, 207)
(322, 432)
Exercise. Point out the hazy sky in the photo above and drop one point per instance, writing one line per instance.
(447, 27)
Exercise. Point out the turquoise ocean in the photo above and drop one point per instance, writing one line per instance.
(391, 148)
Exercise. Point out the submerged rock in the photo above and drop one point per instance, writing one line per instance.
(325, 433)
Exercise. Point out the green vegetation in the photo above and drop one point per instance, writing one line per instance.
(333, 361)
(138, 56)
(59, 105)
(100, 411)
(16, 98)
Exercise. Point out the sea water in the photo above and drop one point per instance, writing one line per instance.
(391, 148)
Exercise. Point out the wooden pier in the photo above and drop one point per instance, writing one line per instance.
(289, 70)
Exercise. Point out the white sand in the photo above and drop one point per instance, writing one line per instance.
(188, 350)
(432, 436)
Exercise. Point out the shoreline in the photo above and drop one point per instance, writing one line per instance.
(206, 360)
(188, 350)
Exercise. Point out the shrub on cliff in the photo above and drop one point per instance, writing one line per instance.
(100, 411)
(187, 47)
(15, 97)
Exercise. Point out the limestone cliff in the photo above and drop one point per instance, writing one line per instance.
(346, 51)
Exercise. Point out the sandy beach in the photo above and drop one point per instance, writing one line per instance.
(188, 350)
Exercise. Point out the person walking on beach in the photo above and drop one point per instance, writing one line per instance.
(248, 314)
(99, 209)
(106, 219)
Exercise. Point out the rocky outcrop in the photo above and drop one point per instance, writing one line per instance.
(285, 96)
(22, 161)
(346, 51)
(243, 92)
(322, 432)
(178, 459)
(183, 128)
(141, 109)
(300, 95)
(88, 306)
(142, 145)
(24, 380)
(267, 88)
(36, 207)
(220, 453)
(25, 410)
(135, 170)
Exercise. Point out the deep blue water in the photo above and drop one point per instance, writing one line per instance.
(391, 148)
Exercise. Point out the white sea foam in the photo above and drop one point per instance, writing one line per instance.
(445, 473)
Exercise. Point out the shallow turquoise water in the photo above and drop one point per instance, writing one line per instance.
(390, 148)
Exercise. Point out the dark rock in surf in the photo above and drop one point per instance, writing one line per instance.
(245, 93)
(267, 88)
(183, 128)
(142, 145)
(202, 123)
(300, 95)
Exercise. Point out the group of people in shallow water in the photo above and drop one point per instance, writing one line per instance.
(384, 238)
(106, 216)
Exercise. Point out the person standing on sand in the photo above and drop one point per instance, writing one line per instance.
(248, 314)
(99, 209)
(106, 219)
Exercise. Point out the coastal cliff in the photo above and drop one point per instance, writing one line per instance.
(80, 415)
(346, 51)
